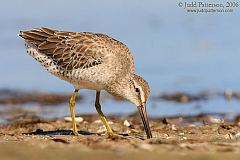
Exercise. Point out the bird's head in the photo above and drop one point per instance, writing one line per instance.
(136, 90)
(138, 93)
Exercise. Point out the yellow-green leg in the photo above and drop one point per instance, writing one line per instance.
(103, 118)
(72, 105)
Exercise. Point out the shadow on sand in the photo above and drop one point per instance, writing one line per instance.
(58, 132)
(65, 132)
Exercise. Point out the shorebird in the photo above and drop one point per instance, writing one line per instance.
(89, 61)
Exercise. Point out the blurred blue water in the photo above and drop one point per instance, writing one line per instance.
(174, 50)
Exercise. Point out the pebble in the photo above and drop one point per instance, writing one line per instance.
(215, 120)
(126, 123)
(128, 132)
(99, 121)
(110, 122)
(101, 129)
(165, 135)
(174, 128)
(77, 119)
(181, 134)
(85, 122)
(237, 135)
(228, 136)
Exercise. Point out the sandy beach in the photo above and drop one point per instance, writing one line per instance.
(190, 137)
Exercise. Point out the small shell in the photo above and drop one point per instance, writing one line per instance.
(77, 119)
(126, 123)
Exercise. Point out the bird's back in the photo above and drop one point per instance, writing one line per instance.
(79, 57)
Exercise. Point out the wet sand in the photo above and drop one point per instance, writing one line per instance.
(189, 137)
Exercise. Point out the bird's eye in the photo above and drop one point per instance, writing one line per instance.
(137, 90)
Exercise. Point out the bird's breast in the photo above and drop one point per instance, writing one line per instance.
(83, 84)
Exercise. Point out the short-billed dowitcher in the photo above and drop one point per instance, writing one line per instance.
(90, 61)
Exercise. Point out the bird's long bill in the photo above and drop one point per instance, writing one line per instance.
(143, 114)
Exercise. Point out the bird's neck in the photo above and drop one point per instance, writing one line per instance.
(119, 88)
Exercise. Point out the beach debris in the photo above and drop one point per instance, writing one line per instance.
(14, 97)
(98, 121)
(181, 134)
(225, 126)
(173, 127)
(215, 120)
(165, 121)
(182, 97)
(228, 136)
(77, 119)
(127, 132)
(21, 97)
(237, 135)
(228, 94)
(110, 122)
(101, 129)
(126, 123)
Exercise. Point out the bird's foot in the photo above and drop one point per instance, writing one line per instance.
(75, 132)
(114, 136)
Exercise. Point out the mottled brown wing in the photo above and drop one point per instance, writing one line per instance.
(69, 50)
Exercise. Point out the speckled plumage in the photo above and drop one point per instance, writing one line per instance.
(88, 61)
(79, 56)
